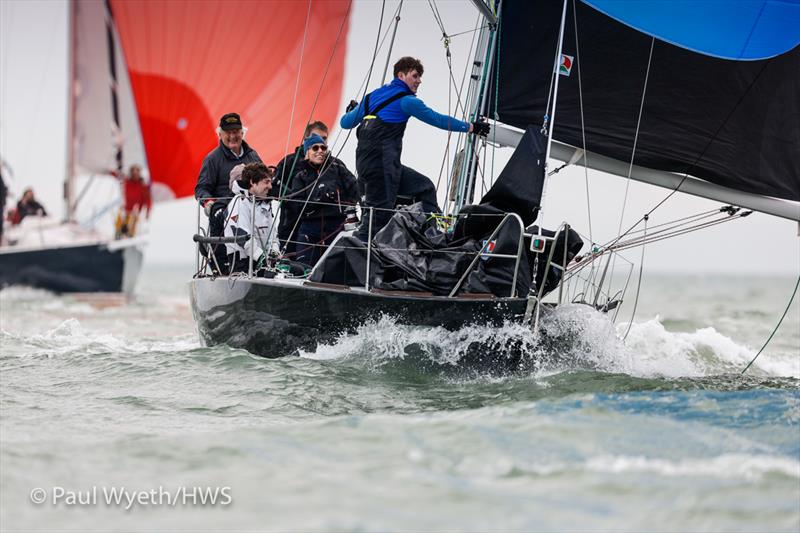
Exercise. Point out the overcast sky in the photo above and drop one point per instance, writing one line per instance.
(32, 141)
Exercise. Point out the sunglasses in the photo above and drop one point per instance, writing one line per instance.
(319, 148)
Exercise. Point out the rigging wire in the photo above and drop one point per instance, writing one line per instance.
(297, 83)
(437, 16)
(785, 312)
(285, 183)
(375, 52)
(459, 91)
(707, 146)
(496, 115)
(638, 284)
(469, 31)
(330, 60)
(452, 86)
(391, 44)
(378, 42)
(636, 134)
(363, 86)
(635, 142)
(583, 124)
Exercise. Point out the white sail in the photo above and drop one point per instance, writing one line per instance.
(97, 136)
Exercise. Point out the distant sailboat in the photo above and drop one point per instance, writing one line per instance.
(149, 81)
(103, 137)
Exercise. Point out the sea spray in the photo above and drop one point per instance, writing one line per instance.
(573, 337)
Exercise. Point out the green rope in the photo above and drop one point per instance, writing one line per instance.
(776, 327)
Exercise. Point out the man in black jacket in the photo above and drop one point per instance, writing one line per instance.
(320, 190)
(28, 205)
(213, 189)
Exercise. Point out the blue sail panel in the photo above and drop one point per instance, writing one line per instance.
(738, 29)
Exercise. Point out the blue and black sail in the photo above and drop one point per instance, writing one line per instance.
(722, 99)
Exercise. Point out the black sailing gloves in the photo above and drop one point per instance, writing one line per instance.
(352, 105)
(480, 127)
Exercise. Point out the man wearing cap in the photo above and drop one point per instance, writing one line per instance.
(320, 191)
(213, 190)
(381, 119)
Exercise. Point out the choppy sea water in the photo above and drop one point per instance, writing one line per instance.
(384, 431)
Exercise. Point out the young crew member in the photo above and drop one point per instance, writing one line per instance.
(253, 186)
(381, 120)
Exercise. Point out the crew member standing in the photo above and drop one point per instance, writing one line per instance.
(137, 199)
(381, 119)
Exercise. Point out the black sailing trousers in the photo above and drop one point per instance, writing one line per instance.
(382, 177)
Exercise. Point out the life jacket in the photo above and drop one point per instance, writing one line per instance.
(373, 127)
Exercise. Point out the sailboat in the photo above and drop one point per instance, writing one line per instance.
(644, 90)
(147, 86)
(103, 137)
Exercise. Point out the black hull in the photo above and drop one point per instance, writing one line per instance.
(274, 318)
(80, 269)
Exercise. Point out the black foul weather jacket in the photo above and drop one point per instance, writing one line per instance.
(215, 173)
(284, 169)
(334, 186)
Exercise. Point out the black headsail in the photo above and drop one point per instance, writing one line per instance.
(732, 123)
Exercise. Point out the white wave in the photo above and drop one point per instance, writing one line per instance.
(71, 337)
(384, 340)
(574, 337)
(22, 294)
(654, 350)
(750, 467)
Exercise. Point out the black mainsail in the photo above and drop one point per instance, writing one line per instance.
(734, 123)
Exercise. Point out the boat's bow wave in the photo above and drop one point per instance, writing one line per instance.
(574, 338)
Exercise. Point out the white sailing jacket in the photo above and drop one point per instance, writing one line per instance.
(240, 222)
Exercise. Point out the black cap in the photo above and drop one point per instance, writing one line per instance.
(230, 121)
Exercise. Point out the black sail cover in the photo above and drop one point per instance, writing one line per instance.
(411, 253)
(518, 188)
(732, 123)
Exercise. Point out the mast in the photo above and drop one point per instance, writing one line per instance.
(477, 101)
(69, 174)
(112, 65)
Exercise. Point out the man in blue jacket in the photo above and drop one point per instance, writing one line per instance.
(381, 119)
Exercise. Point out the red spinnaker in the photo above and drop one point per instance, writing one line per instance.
(190, 62)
